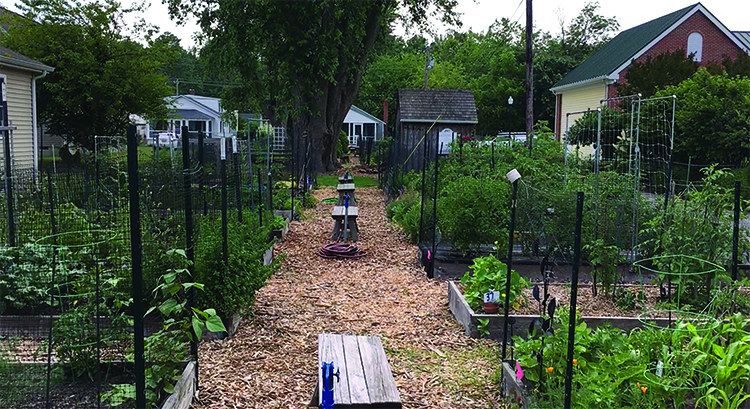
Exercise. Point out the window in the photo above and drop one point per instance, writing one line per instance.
(695, 46)
(368, 130)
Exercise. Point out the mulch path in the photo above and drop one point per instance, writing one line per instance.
(272, 360)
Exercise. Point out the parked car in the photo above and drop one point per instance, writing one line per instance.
(164, 139)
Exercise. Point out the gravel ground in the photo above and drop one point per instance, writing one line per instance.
(272, 361)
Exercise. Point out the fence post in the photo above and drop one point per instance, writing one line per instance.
(48, 397)
(6, 132)
(201, 165)
(189, 247)
(260, 200)
(137, 260)
(573, 300)
(237, 177)
(736, 232)
(224, 232)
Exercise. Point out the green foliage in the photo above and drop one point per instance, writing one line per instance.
(103, 72)
(656, 73)
(233, 285)
(405, 210)
(712, 108)
(343, 145)
(279, 222)
(604, 259)
(695, 228)
(26, 278)
(489, 274)
(472, 210)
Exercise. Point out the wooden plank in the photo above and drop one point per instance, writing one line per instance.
(371, 363)
(330, 348)
(390, 393)
(355, 372)
(345, 187)
(341, 386)
(338, 211)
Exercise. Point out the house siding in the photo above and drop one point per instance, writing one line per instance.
(716, 44)
(577, 101)
(18, 88)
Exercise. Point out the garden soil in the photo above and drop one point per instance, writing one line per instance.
(271, 362)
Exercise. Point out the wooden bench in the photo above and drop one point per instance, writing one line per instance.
(351, 222)
(365, 378)
(344, 189)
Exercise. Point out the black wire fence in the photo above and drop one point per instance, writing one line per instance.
(96, 312)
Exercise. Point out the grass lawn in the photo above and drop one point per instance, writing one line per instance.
(359, 181)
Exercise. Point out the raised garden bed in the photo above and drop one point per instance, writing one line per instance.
(184, 390)
(280, 233)
(520, 323)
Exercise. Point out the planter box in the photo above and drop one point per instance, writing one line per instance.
(268, 256)
(287, 214)
(513, 388)
(469, 319)
(280, 233)
(184, 390)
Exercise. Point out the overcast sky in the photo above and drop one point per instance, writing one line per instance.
(735, 14)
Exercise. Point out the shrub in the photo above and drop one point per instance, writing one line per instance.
(231, 286)
(488, 274)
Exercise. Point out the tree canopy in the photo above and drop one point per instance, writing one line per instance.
(101, 76)
(712, 120)
(303, 60)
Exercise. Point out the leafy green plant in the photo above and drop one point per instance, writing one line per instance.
(488, 274)
(604, 259)
(482, 327)
(279, 222)
(233, 284)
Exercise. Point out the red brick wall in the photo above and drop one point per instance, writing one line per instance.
(716, 45)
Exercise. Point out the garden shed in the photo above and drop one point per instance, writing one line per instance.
(437, 115)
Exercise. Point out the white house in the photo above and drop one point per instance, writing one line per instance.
(198, 113)
(18, 76)
(359, 123)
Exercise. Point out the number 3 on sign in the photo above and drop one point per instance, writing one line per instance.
(492, 296)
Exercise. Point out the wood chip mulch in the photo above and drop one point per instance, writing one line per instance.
(272, 360)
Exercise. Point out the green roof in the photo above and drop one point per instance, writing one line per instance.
(744, 37)
(622, 48)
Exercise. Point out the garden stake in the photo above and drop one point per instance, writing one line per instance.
(137, 266)
(573, 299)
(52, 297)
(189, 248)
(327, 392)
(431, 271)
(736, 232)
(514, 180)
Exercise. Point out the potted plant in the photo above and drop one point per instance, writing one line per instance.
(486, 276)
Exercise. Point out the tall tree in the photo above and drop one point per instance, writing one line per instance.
(101, 76)
(656, 73)
(312, 53)
(588, 32)
(712, 120)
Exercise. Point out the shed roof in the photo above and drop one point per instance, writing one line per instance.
(427, 105)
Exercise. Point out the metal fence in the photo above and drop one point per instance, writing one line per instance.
(96, 278)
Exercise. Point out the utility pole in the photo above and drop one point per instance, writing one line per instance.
(529, 77)
(430, 62)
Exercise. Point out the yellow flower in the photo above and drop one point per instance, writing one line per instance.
(550, 369)
(644, 389)
(575, 362)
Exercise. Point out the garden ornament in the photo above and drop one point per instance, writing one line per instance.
(328, 374)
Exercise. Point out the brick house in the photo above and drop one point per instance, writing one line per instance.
(693, 29)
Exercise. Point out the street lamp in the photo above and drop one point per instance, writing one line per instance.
(510, 116)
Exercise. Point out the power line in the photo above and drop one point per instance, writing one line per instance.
(514, 13)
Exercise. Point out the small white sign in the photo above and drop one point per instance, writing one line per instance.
(492, 296)
(223, 149)
(234, 144)
(660, 369)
